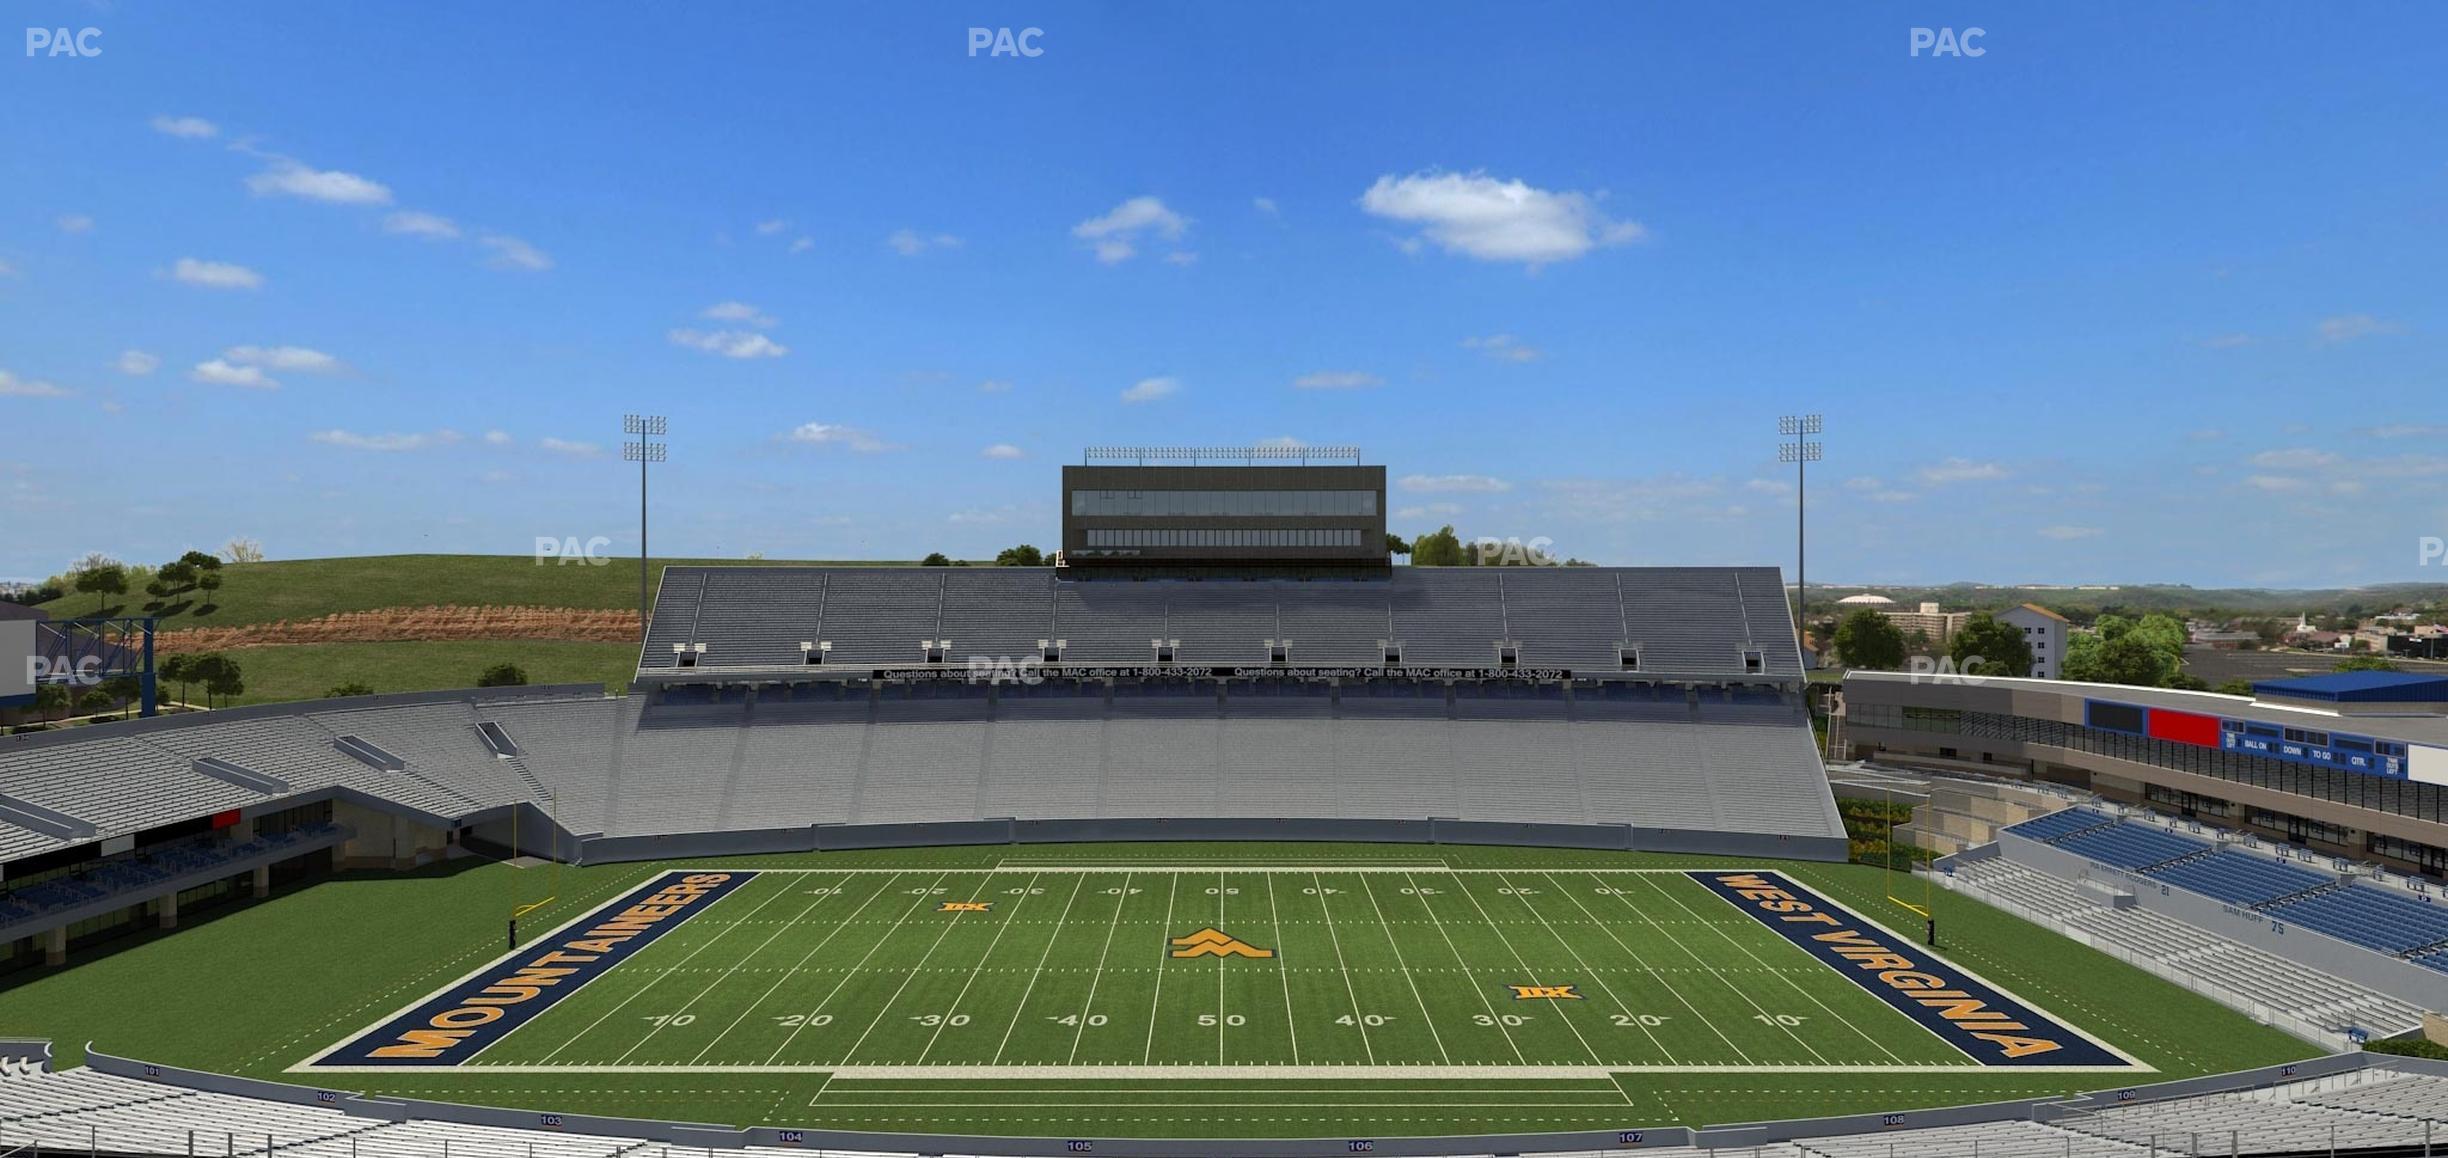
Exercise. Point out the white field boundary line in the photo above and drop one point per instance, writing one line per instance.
(1200, 1070)
(309, 1065)
(1144, 867)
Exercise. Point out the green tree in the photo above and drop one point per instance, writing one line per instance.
(178, 669)
(2164, 632)
(2126, 659)
(2366, 663)
(502, 675)
(1439, 548)
(2111, 625)
(218, 673)
(2235, 688)
(105, 579)
(1395, 544)
(351, 688)
(935, 559)
(1870, 641)
(93, 702)
(51, 701)
(1990, 648)
(1023, 555)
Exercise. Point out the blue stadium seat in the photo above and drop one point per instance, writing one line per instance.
(2131, 846)
(2241, 877)
(2057, 824)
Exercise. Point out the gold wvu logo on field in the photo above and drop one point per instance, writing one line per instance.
(964, 906)
(1213, 943)
(1532, 992)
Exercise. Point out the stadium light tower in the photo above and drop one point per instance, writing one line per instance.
(642, 450)
(1801, 452)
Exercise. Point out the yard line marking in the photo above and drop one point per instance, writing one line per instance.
(1405, 966)
(1089, 1005)
(1275, 919)
(988, 955)
(912, 974)
(1219, 971)
(1518, 959)
(650, 982)
(1780, 974)
(1164, 950)
(1595, 975)
(793, 971)
(855, 970)
(1358, 1018)
(1738, 990)
(1035, 973)
(726, 974)
(1467, 972)
(1668, 986)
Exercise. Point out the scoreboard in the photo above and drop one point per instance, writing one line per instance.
(2312, 747)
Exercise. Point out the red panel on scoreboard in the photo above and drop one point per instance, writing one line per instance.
(2184, 728)
(227, 819)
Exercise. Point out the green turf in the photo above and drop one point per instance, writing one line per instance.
(305, 671)
(310, 588)
(264, 987)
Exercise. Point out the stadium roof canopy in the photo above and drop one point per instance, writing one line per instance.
(2360, 687)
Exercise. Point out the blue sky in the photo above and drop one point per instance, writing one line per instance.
(2142, 294)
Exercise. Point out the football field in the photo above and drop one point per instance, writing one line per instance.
(1106, 975)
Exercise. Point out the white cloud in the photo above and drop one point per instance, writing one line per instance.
(1151, 389)
(12, 386)
(1281, 442)
(1429, 511)
(911, 243)
(1337, 380)
(288, 178)
(7, 270)
(497, 438)
(1877, 490)
(1003, 450)
(2063, 533)
(2275, 483)
(215, 274)
(1453, 483)
(74, 223)
(1670, 496)
(2405, 430)
(1767, 486)
(285, 358)
(803, 245)
(136, 363)
(1479, 216)
(223, 373)
(1956, 470)
(1504, 348)
(1115, 236)
(769, 228)
(191, 128)
(740, 312)
(730, 343)
(2207, 434)
(1264, 205)
(565, 446)
(511, 253)
(1181, 257)
(826, 434)
(2348, 327)
(414, 223)
(386, 443)
(2225, 341)
(2294, 458)
(995, 386)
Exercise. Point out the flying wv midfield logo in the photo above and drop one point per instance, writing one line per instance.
(1216, 943)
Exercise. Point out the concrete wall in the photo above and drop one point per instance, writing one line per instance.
(1628, 1138)
(599, 849)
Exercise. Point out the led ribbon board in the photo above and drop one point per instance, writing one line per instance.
(456, 1024)
(1965, 1011)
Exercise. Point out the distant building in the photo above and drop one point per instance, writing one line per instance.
(1939, 626)
(1865, 599)
(2045, 631)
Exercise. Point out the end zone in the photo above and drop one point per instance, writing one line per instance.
(1963, 1009)
(457, 1023)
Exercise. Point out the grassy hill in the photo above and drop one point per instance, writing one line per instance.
(295, 589)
